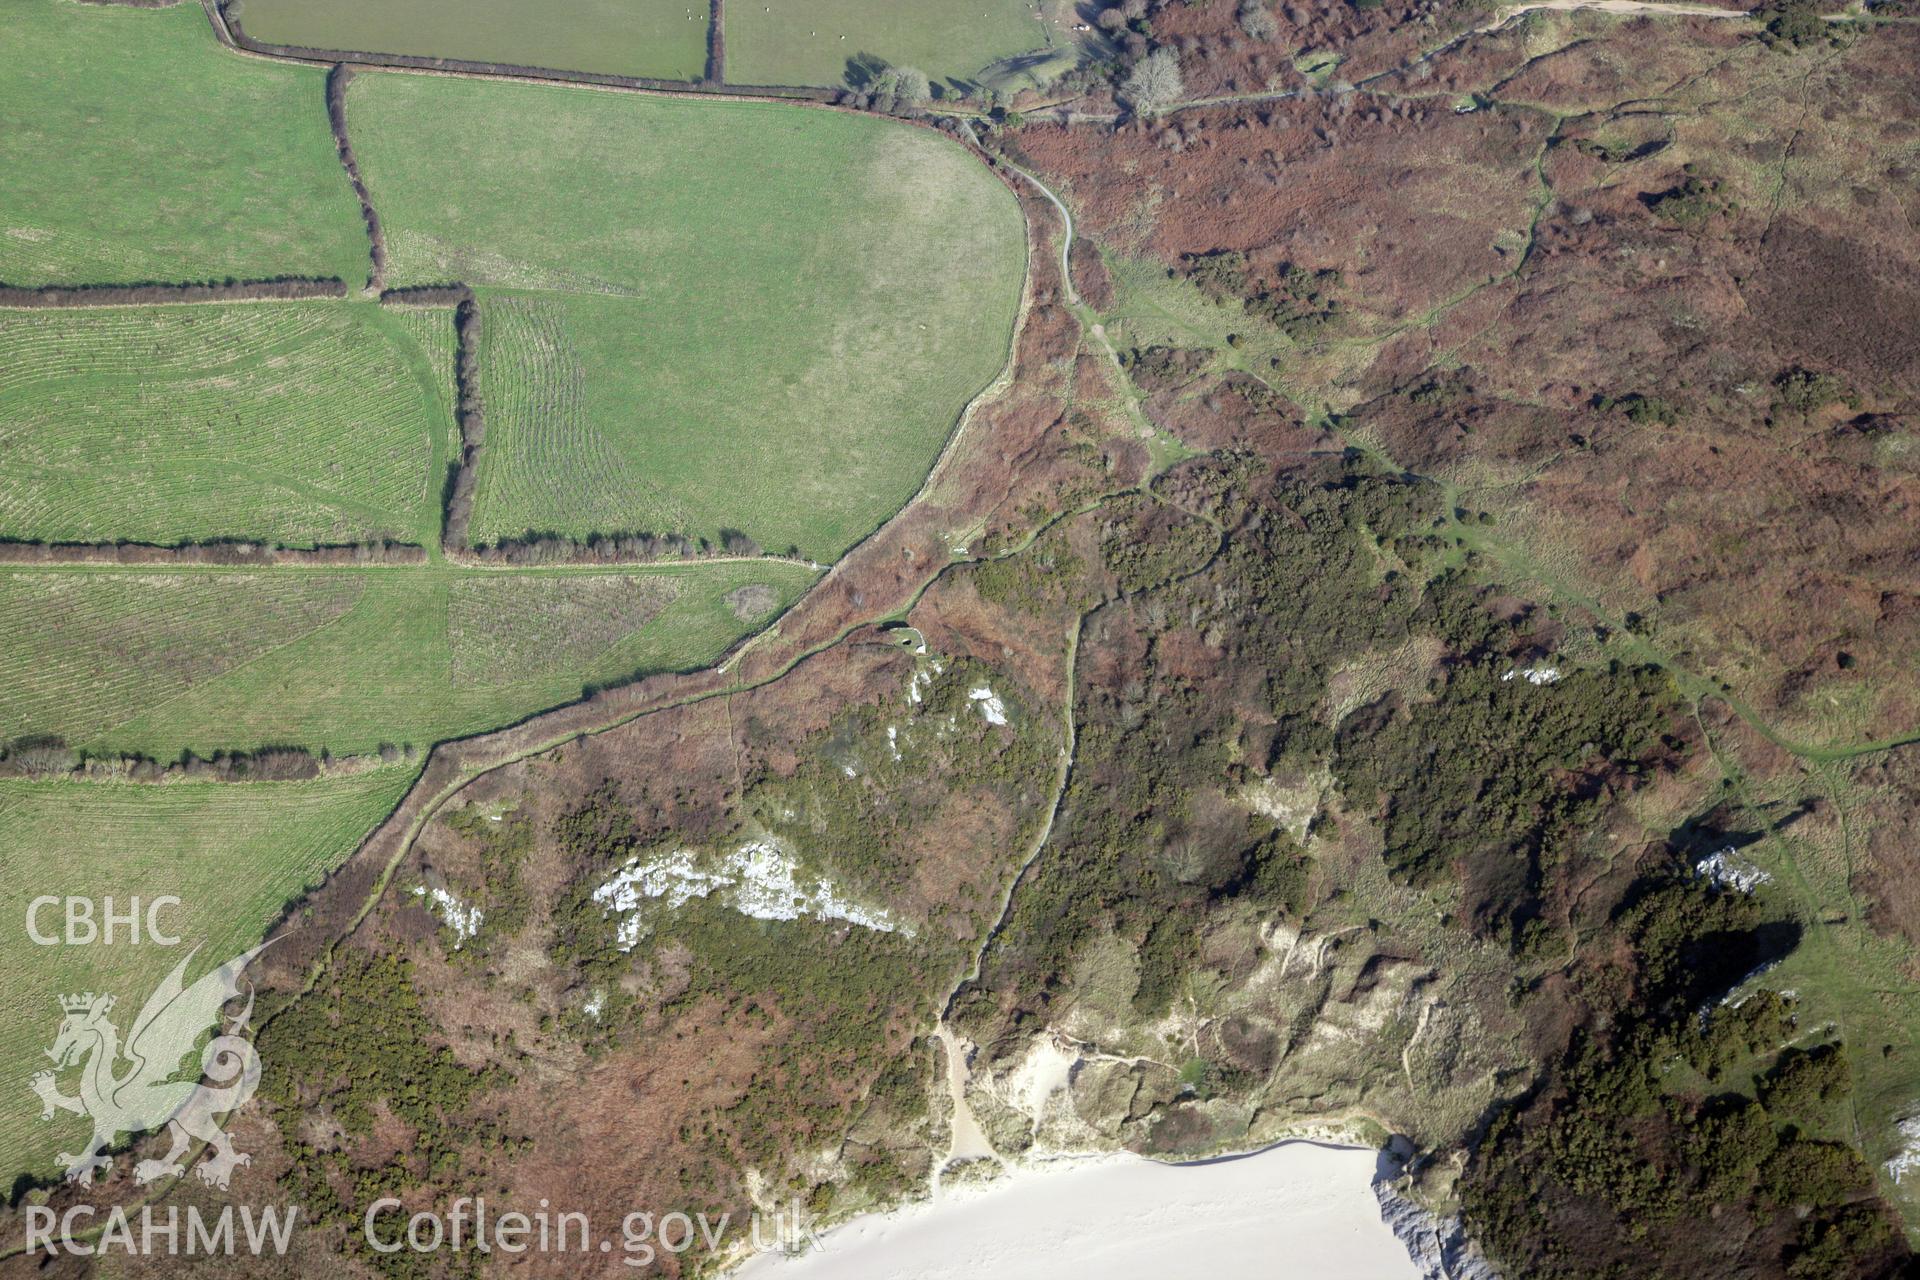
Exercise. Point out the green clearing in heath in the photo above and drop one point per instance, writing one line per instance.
(137, 150)
(822, 41)
(160, 662)
(297, 423)
(700, 315)
(234, 854)
(663, 39)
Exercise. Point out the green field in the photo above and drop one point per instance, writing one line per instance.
(431, 331)
(815, 41)
(297, 423)
(160, 662)
(233, 854)
(662, 39)
(699, 315)
(137, 150)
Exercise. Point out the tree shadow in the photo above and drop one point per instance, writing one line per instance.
(25, 1182)
(865, 68)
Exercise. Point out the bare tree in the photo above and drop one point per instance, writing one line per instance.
(39, 757)
(913, 84)
(1257, 20)
(903, 84)
(1155, 82)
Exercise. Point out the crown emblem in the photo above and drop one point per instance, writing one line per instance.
(82, 1003)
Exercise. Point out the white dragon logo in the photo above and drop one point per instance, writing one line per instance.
(145, 1095)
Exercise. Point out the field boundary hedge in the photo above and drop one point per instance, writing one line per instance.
(469, 414)
(717, 44)
(234, 552)
(337, 80)
(613, 549)
(150, 293)
(427, 295)
(47, 758)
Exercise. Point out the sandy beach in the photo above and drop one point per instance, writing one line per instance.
(1299, 1211)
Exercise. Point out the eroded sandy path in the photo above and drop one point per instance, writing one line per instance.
(968, 1141)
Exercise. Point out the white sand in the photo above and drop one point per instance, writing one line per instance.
(1293, 1212)
(969, 1140)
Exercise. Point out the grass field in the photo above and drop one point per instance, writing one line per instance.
(431, 331)
(157, 663)
(297, 423)
(700, 315)
(233, 855)
(664, 39)
(137, 150)
(816, 41)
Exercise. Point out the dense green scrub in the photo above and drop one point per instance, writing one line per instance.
(1686, 1110)
(137, 150)
(697, 316)
(838, 41)
(296, 423)
(234, 854)
(359, 1046)
(666, 39)
(157, 663)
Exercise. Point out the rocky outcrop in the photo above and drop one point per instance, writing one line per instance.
(1438, 1245)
